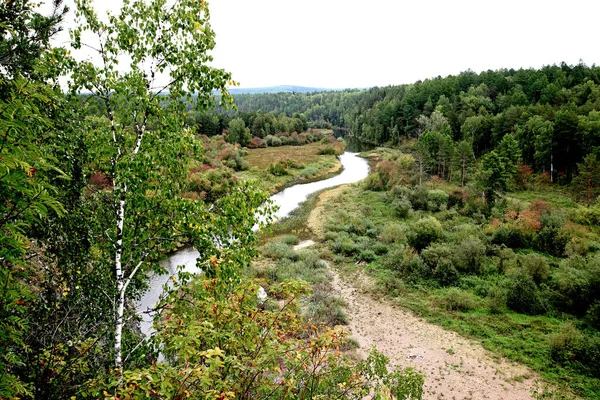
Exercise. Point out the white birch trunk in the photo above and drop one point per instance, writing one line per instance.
(121, 287)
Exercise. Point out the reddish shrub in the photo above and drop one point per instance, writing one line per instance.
(256, 143)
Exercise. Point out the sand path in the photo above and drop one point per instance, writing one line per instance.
(454, 367)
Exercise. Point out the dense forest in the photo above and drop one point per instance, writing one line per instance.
(552, 112)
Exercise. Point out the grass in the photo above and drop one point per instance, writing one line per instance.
(307, 165)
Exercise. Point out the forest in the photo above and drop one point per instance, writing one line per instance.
(480, 214)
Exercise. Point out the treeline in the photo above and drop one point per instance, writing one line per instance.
(553, 112)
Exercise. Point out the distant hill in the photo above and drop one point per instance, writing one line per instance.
(278, 89)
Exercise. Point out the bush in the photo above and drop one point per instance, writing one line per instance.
(511, 236)
(446, 274)
(589, 354)
(328, 150)
(534, 265)
(437, 200)
(565, 344)
(458, 300)
(406, 264)
(496, 300)
(393, 233)
(524, 296)
(278, 250)
(418, 198)
(402, 207)
(470, 254)
(344, 245)
(456, 199)
(278, 169)
(549, 238)
(307, 172)
(367, 256)
(289, 239)
(589, 216)
(424, 232)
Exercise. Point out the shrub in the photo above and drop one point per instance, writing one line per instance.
(289, 239)
(278, 169)
(278, 250)
(593, 315)
(400, 191)
(407, 265)
(424, 232)
(524, 296)
(328, 150)
(307, 172)
(470, 254)
(511, 236)
(589, 216)
(589, 354)
(393, 233)
(458, 300)
(549, 238)
(534, 265)
(496, 300)
(402, 207)
(446, 274)
(344, 245)
(456, 199)
(565, 344)
(367, 255)
(418, 198)
(437, 200)
(309, 259)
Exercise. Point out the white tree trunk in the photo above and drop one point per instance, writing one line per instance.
(121, 287)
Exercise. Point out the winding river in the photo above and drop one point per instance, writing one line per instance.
(354, 170)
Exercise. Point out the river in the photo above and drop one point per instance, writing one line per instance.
(354, 170)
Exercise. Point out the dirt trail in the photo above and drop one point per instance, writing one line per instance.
(454, 367)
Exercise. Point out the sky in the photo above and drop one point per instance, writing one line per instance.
(349, 44)
(360, 44)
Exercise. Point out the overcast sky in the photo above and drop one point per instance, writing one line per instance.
(348, 43)
(358, 44)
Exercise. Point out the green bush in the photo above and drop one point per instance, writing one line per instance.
(470, 254)
(345, 245)
(328, 150)
(393, 233)
(524, 296)
(418, 198)
(511, 236)
(565, 344)
(424, 232)
(278, 169)
(446, 274)
(278, 250)
(589, 216)
(367, 256)
(534, 265)
(437, 200)
(402, 207)
(589, 354)
(496, 300)
(406, 264)
(307, 172)
(549, 237)
(458, 300)
(456, 199)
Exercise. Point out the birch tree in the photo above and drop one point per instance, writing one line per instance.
(149, 64)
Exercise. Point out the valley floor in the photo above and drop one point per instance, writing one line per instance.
(454, 367)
